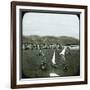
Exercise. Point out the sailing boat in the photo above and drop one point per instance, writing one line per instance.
(54, 63)
(53, 59)
(62, 53)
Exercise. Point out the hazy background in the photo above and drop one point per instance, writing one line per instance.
(46, 24)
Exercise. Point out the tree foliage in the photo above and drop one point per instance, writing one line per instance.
(64, 40)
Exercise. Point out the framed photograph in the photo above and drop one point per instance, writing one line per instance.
(48, 44)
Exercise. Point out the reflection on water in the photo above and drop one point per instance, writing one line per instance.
(53, 74)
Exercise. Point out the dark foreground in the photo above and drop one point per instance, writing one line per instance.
(32, 60)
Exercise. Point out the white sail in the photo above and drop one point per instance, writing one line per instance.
(53, 58)
(63, 51)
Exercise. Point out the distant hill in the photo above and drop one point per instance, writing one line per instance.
(64, 40)
(69, 40)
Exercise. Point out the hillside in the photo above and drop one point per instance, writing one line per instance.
(64, 40)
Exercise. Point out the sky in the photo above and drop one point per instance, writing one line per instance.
(47, 24)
